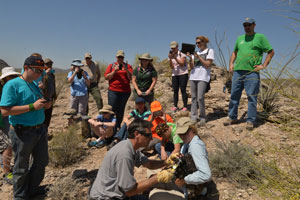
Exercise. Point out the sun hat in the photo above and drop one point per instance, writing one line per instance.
(120, 53)
(87, 55)
(173, 44)
(8, 71)
(249, 20)
(34, 61)
(145, 56)
(140, 100)
(203, 38)
(47, 60)
(155, 106)
(182, 125)
(77, 62)
(106, 108)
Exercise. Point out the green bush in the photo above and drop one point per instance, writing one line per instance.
(66, 148)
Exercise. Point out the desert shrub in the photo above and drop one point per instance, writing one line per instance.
(66, 148)
(65, 189)
(236, 162)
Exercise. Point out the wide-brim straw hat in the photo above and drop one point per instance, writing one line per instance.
(9, 71)
(106, 108)
(145, 56)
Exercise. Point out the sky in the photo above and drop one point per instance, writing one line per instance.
(64, 30)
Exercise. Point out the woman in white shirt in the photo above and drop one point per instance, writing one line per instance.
(200, 64)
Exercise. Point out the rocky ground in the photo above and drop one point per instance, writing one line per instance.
(216, 110)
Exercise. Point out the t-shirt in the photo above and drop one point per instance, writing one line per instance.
(18, 92)
(156, 121)
(78, 87)
(178, 70)
(100, 118)
(144, 77)
(92, 70)
(250, 49)
(116, 174)
(120, 81)
(199, 72)
(175, 139)
(135, 114)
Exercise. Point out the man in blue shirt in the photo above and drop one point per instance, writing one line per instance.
(23, 101)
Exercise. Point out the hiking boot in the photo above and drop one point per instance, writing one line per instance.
(41, 190)
(230, 122)
(202, 122)
(184, 109)
(174, 109)
(8, 178)
(249, 126)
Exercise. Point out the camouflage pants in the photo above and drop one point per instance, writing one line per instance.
(5, 141)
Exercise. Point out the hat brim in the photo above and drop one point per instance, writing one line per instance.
(181, 130)
(78, 65)
(104, 110)
(9, 74)
(173, 46)
(143, 58)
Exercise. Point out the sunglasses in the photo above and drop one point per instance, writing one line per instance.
(149, 134)
(199, 42)
(104, 113)
(246, 25)
(48, 64)
(36, 70)
(120, 57)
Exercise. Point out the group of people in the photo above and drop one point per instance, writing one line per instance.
(27, 99)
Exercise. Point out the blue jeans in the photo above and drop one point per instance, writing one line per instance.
(122, 134)
(118, 101)
(169, 148)
(26, 179)
(250, 81)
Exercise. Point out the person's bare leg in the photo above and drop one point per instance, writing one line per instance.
(6, 158)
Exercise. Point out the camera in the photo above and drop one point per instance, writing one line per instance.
(120, 66)
(47, 99)
(170, 52)
(79, 73)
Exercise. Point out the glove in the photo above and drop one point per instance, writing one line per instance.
(172, 159)
(165, 176)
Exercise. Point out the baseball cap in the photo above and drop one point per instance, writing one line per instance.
(155, 106)
(87, 55)
(182, 125)
(249, 20)
(120, 53)
(173, 44)
(34, 61)
(48, 60)
(140, 100)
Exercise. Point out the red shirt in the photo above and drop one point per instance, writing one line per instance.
(120, 81)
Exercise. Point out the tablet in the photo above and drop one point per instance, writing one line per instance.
(188, 48)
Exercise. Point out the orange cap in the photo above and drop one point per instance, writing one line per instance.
(155, 106)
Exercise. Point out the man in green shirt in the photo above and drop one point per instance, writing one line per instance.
(245, 63)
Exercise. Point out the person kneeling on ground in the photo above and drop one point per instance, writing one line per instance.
(170, 143)
(158, 116)
(140, 111)
(103, 126)
(115, 178)
(194, 146)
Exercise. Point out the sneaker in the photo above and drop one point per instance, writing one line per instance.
(100, 144)
(111, 145)
(249, 126)
(92, 143)
(8, 178)
(184, 109)
(174, 109)
(202, 122)
(230, 122)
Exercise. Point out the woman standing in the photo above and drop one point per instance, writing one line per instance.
(180, 77)
(144, 79)
(200, 64)
(119, 75)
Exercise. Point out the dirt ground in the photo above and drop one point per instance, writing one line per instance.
(216, 110)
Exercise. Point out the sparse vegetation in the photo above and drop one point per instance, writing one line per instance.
(66, 147)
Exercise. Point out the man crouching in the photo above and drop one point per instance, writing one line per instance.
(115, 178)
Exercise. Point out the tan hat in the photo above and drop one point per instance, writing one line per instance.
(173, 44)
(182, 125)
(145, 56)
(87, 55)
(106, 108)
(8, 71)
(120, 53)
(47, 60)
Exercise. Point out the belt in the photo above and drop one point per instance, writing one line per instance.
(27, 128)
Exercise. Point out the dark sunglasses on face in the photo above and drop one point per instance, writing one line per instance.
(246, 25)
(48, 64)
(199, 42)
(120, 57)
(105, 113)
(36, 70)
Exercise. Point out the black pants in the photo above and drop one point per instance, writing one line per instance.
(180, 82)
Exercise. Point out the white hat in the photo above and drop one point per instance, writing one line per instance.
(77, 62)
(8, 71)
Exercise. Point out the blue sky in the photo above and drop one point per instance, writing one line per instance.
(65, 29)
